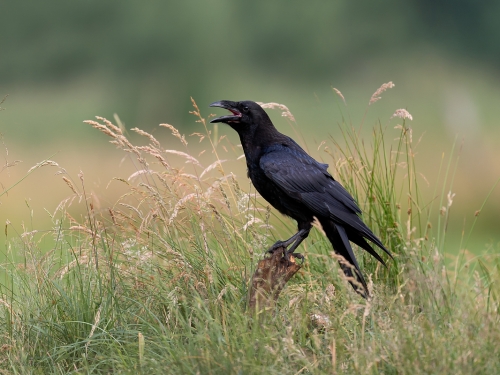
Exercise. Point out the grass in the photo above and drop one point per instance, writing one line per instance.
(158, 282)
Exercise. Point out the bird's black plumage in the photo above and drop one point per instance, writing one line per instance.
(300, 187)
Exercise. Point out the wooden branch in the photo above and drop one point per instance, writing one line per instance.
(269, 279)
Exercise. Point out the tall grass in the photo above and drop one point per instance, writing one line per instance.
(158, 282)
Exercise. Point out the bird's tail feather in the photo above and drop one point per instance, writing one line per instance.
(359, 232)
(361, 242)
(340, 242)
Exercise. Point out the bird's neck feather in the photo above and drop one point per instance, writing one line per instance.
(255, 139)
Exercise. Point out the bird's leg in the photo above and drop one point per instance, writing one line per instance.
(303, 233)
(288, 242)
(295, 241)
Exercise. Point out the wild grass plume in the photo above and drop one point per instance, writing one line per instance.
(376, 95)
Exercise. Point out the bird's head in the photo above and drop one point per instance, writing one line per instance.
(242, 113)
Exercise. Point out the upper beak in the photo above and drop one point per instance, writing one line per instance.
(230, 106)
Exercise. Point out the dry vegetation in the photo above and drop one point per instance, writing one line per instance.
(158, 282)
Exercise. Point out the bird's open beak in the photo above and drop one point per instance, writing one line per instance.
(230, 106)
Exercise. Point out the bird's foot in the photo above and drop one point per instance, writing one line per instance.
(276, 246)
(287, 255)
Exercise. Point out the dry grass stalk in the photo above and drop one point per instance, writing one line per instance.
(175, 133)
(146, 134)
(114, 132)
(189, 158)
(286, 112)
(155, 153)
(138, 173)
(97, 319)
(214, 165)
(43, 164)
(70, 184)
(80, 228)
(116, 129)
(10, 164)
(337, 91)
(376, 95)
(2, 101)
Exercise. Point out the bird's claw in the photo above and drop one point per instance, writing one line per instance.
(276, 246)
(295, 255)
(286, 253)
(298, 256)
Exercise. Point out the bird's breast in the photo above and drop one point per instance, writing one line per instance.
(281, 201)
(263, 184)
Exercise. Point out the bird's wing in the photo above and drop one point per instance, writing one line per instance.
(298, 175)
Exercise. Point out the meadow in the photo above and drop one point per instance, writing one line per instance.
(157, 281)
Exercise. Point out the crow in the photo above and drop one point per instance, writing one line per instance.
(299, 187)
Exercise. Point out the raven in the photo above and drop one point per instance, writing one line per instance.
(300, 187)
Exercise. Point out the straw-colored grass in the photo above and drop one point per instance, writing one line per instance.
(157, 283)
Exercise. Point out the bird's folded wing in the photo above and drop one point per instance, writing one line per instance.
(299, 175)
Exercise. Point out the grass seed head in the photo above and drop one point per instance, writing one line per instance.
(285, 111)
(376, 95)
(402, 113)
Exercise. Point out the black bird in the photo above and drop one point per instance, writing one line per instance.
(300, 187)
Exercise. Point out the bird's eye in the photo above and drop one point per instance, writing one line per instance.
(245, 108)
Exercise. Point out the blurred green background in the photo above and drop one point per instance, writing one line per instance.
(62, 62)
